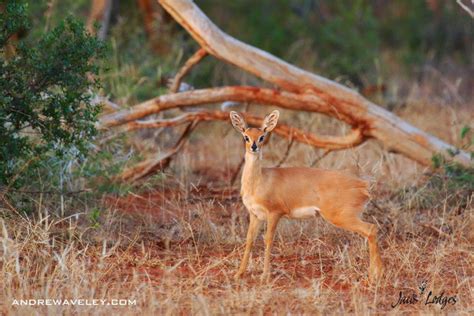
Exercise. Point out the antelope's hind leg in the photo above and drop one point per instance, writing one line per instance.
(369, 231)
(254, 227)
(350, 221)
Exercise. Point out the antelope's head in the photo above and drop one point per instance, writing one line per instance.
(254, 137)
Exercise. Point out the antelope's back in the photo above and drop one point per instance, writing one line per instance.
(328, 189)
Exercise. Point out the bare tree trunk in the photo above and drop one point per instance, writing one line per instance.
(329, 97)
(100, 11)
(147, 12)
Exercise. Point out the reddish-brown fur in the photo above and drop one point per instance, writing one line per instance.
(350, 193)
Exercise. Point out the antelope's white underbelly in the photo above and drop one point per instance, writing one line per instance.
(261, 212)
(304, 212)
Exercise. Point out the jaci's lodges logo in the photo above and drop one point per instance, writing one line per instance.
(423, 296)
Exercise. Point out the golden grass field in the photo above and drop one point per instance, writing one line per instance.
(173, 245)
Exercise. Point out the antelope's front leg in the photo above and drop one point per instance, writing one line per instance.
(254, 227)
(272, 222)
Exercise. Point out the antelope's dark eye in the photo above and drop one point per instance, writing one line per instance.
(247, 139)
(261, 138)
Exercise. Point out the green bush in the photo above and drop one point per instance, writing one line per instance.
(45, 101)
(456, 174)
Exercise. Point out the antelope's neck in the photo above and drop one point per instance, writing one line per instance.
(251, 173)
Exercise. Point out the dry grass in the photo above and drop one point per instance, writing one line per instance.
(175, 248)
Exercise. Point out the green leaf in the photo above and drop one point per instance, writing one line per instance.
(94, 217)
(437, 160)
(464, 131)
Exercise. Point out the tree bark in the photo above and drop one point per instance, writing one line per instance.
(321, 95)
(293, 134)
(307, 102)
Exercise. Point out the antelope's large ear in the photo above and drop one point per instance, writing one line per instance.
(238, 121)
(270, 121)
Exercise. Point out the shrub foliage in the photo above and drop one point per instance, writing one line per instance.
(45, 100)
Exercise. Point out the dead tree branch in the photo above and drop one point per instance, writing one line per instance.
(287, 152)
(190, 63)
(152, 165)
(319, 158)
(466, 7)
(306, 102)
(293, 134)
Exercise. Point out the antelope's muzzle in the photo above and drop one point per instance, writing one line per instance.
(254, 147)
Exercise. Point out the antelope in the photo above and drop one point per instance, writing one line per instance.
(297, 193)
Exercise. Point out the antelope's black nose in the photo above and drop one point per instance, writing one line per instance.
(254, 146)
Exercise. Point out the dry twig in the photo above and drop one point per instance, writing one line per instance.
(466, 8)
(152, 165)
(190, 63)
(287, 152)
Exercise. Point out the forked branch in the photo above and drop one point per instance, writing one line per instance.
(354, 138)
